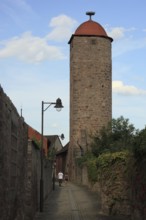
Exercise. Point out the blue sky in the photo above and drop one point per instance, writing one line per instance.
(34, 56)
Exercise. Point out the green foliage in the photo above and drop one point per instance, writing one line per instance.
(89, 160)
(83, 160)
(117, 157)
(117, 136)
(92, 170)
(37, 143)
(113, 144)
(123, 133)
(51, 153)
(139, 146)
(102, 140)
(108, 159)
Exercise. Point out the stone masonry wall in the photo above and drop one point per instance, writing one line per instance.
(33, 179)
(19, 166)
(121, 188)
(138, 189)
(90, 90)
(13, 155)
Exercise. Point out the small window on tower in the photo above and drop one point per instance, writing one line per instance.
(93, 41)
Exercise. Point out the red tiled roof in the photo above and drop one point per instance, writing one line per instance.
(35, 135)
(90, 28)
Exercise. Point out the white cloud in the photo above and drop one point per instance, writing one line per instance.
(124, 40)
(118, 32)
(30, 48)
(34, 49)
(121, 89)
(63, 27)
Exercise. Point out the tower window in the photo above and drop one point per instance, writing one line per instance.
(93, 41)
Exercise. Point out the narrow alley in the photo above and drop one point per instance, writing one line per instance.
(72, 202)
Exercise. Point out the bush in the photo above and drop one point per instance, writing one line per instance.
(92, 170)
(89, 160)
(107, 159)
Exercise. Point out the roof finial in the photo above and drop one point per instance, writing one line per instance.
(90, 13)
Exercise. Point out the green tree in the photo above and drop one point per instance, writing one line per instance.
(118, 135)
(102, 140)
(123, 133)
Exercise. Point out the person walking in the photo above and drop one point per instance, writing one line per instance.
(60, 178)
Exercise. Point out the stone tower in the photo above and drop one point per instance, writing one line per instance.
(90, 86)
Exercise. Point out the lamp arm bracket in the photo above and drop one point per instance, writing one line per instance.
(49, 104)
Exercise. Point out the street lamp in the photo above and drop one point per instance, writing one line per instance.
(58, 106)
(54, 163)
(62, 136)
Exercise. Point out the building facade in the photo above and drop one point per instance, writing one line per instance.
(90, 86)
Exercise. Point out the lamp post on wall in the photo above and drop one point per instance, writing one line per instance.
(58, 106)
(54, 163)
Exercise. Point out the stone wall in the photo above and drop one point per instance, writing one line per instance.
(121, 188)
(33, 179)
(115, 190)
(19, 166)
(138, 189)
(13, 160)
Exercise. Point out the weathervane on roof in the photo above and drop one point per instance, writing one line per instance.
(90, 13)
